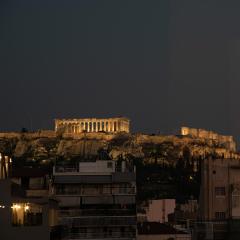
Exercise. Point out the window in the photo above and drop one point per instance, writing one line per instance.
(220, 215)
(220, 191)
(26, 214)
(109, 165)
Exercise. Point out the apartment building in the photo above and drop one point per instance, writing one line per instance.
(26, 211)
(219, 209)
(97, 200)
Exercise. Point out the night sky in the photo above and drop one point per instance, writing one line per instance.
(161, 63)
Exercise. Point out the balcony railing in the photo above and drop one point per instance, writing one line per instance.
(100, 221)
(97, 212)
(104, 235)
(37, 193)
(95, 192)
(66, 169)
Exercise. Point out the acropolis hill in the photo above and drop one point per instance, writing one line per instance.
(49, 145)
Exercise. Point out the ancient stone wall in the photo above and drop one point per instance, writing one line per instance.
(227, 141)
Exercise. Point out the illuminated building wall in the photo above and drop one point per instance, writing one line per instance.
(112, 125)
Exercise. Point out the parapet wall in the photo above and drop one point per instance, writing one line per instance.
(53, 134)
(30, 135)
(227, 141)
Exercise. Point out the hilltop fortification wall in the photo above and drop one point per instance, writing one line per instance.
(227, 141)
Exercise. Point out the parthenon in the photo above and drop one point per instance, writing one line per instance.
(113, 125)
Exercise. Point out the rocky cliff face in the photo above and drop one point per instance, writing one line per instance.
(49, 145)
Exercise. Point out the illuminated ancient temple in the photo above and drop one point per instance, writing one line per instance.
(112, 125)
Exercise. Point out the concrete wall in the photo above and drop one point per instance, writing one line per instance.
(97, 167)
(219, 173)
(29, 135)
(158, 210)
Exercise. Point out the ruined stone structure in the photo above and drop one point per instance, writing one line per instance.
(227, 141)
(112, 125)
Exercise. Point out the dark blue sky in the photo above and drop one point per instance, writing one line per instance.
(161, 63)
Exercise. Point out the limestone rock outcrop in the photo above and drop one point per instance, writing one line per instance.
(49, 145)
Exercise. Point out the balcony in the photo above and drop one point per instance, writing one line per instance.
(68, 201)
(96, 191)
(100, 221)
(72, 179)
(96, 212)
(37, 193)
(104, 235)
(123, 177)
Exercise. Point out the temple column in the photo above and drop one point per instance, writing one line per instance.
(97, 126)
(111, 126)
(91, 126)
(118, 126)
(88, 123)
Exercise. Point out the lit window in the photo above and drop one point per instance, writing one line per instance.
(26, 214)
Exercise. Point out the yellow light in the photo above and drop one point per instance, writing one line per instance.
(16, 207)
(26, 208)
